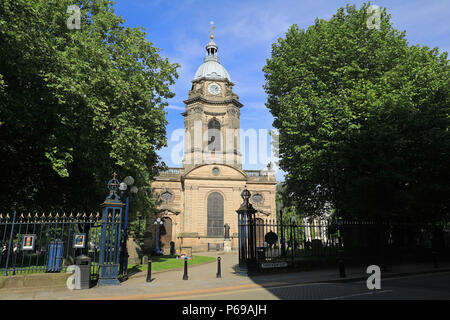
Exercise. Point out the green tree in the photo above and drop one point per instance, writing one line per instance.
(76, 105)
(363, 118)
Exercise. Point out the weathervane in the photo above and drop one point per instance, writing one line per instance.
(212, 29)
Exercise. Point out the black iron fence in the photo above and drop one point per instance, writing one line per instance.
(35, 243)
(320, 240)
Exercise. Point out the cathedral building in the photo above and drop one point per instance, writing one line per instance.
(197, 201)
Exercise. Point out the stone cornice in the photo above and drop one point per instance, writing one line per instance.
(260, 211)
(214, 113)
(214, 178)
(201, 99)
(213, 79)
(169, 210)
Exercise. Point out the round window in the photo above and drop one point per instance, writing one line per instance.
(257, 198)
(166, 196)
(215, 171)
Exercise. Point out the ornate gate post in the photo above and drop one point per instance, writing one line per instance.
(110, 236)
(247, 235)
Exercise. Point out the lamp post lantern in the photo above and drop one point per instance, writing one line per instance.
(158, 224)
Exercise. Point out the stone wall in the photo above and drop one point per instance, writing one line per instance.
(34, 281)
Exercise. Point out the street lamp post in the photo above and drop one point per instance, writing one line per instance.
(158, 224)
(247, 241)
(293, 221)
(123, 187)
(282, 240)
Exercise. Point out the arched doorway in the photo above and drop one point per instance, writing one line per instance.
(166, 235)
(215, 215)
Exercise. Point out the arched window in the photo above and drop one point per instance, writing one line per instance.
(215, 215)
(214, 135)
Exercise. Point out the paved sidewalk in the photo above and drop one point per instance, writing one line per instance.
(202, 280)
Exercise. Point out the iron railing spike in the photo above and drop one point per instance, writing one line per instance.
(64, 215)
(84, 215)
(71, 215)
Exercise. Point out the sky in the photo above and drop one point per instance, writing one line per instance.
(245, 32)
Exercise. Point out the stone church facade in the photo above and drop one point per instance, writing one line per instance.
(197, 200)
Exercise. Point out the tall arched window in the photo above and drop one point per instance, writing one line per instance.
(215, 215)
(214, 135)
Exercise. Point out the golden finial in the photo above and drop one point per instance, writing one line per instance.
(212, 29)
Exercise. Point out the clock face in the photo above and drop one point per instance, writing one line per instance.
(214, 88)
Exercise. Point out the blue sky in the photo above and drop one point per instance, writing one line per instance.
(245, 31)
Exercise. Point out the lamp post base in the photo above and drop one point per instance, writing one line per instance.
(109, 275)
(242, 271)
(108, 282)
(246, 269)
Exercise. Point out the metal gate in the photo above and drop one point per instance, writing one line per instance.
(39, 242)
(36, 243)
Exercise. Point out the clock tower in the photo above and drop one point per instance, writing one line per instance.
(212, 114)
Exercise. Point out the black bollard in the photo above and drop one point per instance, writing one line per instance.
(341, 266)
(218, 275)
(435, 259)
(185, 275)
(149, 271)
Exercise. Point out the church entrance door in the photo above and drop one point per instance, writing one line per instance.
(166, 235)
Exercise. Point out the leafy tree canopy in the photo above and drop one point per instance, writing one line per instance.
(77, 104)
(363, 118)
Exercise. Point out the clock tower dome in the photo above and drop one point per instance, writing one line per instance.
(212, 115)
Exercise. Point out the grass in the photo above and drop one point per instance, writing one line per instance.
(160, 263)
